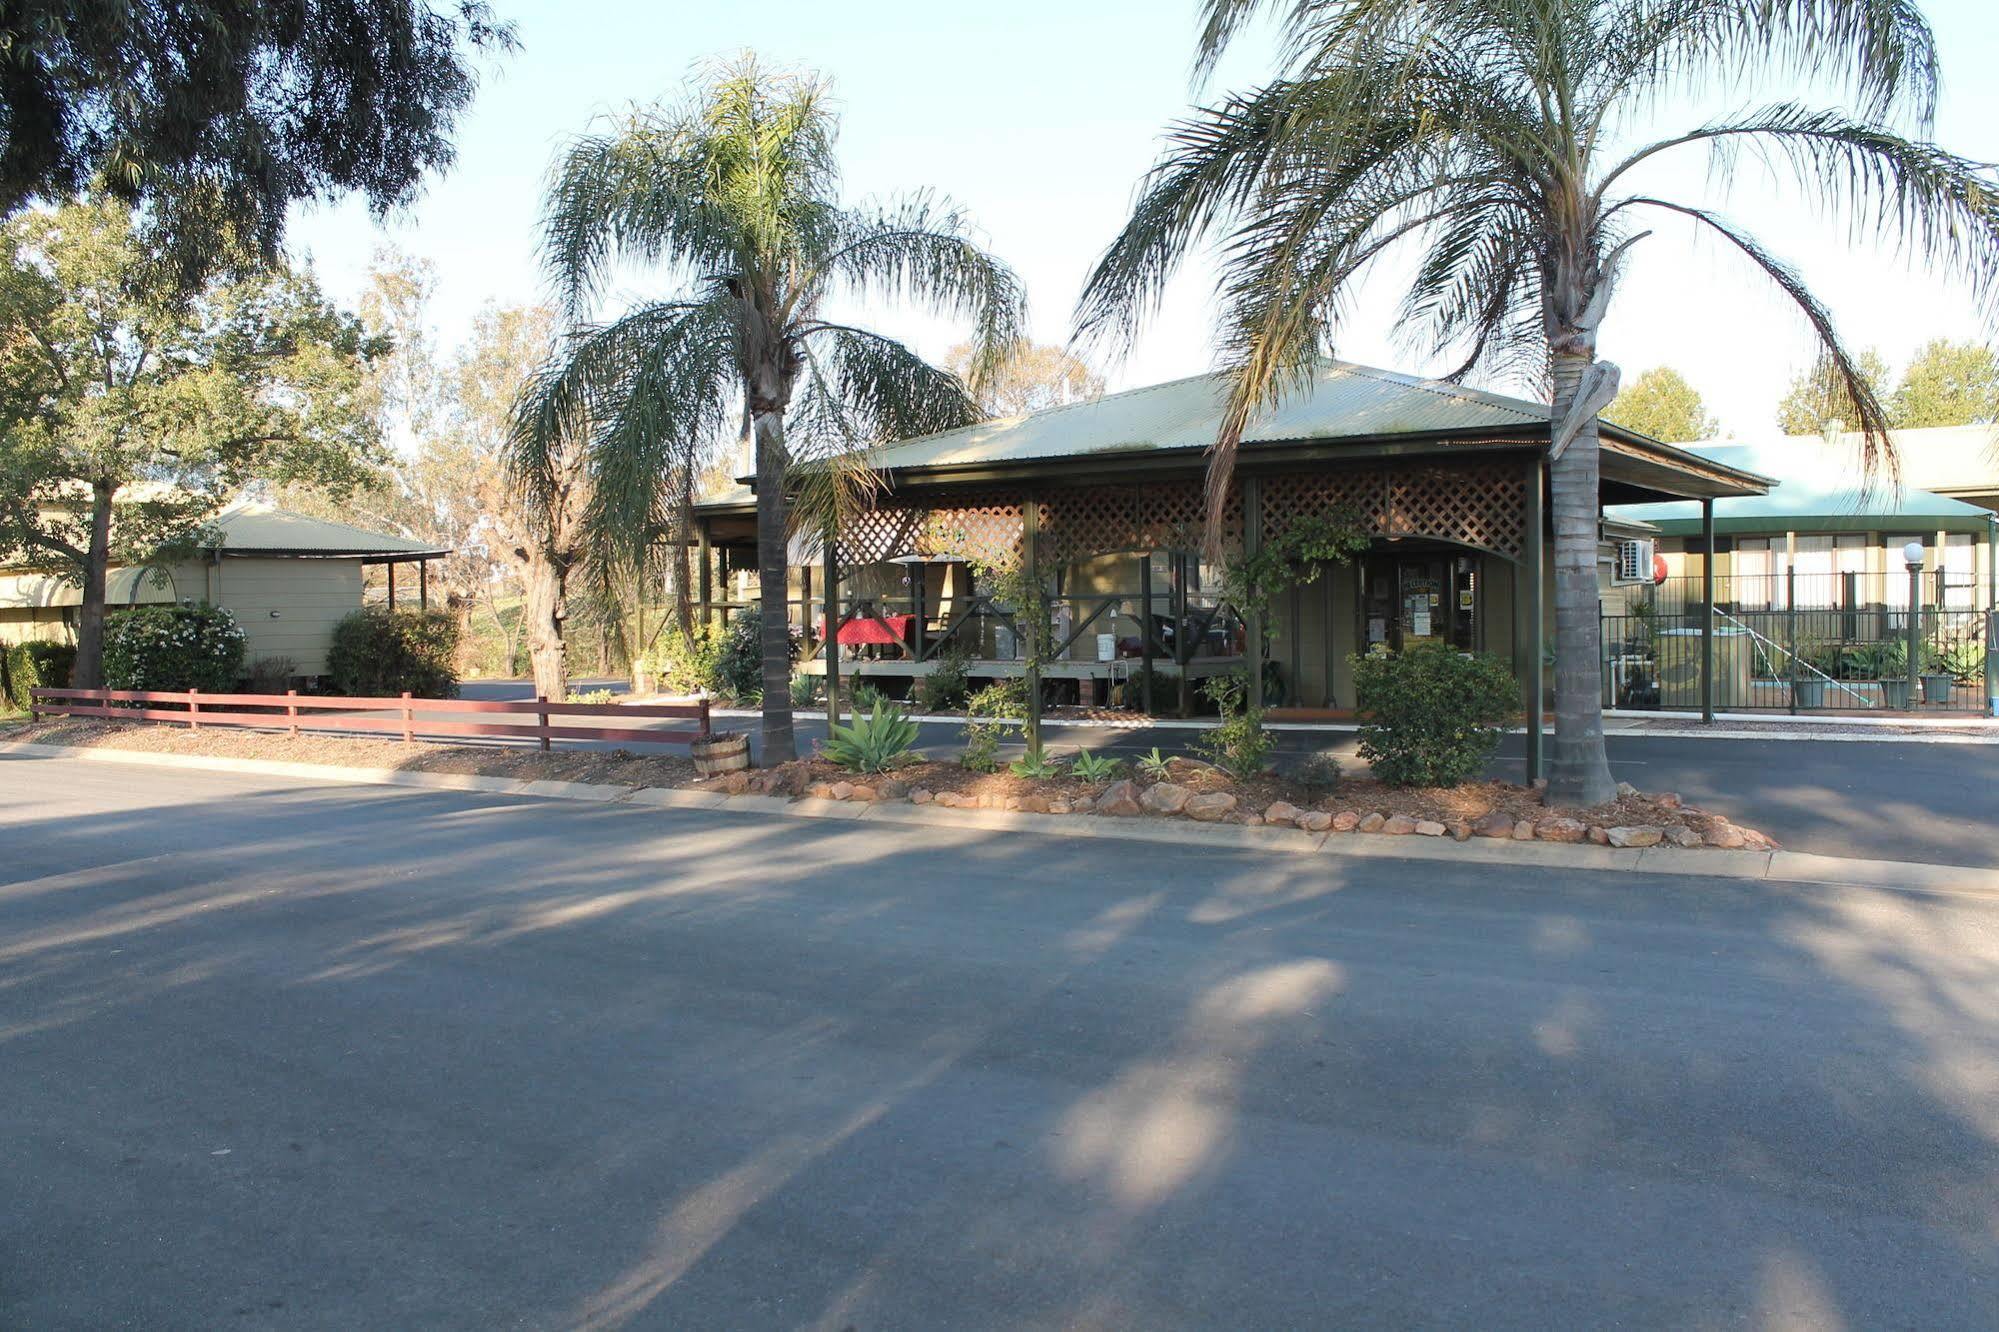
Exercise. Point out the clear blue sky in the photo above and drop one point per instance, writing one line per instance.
(1040, 117)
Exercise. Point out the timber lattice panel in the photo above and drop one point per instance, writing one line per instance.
(1477, 505)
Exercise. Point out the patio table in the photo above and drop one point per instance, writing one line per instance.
(862, 631)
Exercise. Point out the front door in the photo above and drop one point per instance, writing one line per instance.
(1413, 599)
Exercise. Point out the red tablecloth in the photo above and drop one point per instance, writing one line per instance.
(889, 629)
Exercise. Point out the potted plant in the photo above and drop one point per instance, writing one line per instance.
(1808, 672)
(1936, 676)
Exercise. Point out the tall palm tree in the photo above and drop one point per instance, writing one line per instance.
(736, 195)
(1496, 145)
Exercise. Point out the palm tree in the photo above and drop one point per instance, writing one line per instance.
(1480, 141)
(736, 194)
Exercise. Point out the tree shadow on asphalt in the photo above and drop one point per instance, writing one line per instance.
(837, 1073)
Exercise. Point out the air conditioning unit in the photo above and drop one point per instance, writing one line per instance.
(1634, 562)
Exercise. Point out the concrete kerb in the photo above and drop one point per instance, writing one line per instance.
(1772, 866)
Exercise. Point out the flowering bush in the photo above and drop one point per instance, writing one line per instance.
(173, 648)
(379, 652)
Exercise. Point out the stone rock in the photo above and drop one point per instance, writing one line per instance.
(1316, 822)
(1599, 834)
(1540, 784)
(736, 783)
(1684, 837)
(1626, 789)
(1459, 830)
(920, 796)
(1670, 800)
(1248, 818)
(995, 800)
(1757, 841)
(1033, 804)
(1119, 800)
(1345, 821)
(891, 789)
(840, 790)
(1561, 830)
(820, 791)
(1165, 797)
(1497, 823)
(1402, 825)
(1374, 822)
(1639, 834)
(1282, 813)
(1082, 804)
(860, 792)
(1013, 803)
(1523, 831)
(1429, 828)
(1058, 806)
(1725, 835)
(1210, 807)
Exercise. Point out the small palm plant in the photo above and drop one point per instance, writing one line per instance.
(1090, 767)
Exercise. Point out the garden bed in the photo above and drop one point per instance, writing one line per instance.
(1189, 789)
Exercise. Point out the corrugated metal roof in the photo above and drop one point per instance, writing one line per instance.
(253, 527)
(123, 587)
(1341, 401)
(1817, 487)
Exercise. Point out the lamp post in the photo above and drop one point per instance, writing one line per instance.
(1912, 555)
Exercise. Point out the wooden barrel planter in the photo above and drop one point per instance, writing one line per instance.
(721, 753)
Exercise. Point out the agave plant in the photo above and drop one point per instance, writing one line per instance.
(875, 742)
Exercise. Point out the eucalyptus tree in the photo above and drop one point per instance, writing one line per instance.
(734, 196)
(1497, 146)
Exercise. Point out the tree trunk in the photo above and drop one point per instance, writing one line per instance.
(88, 672)
(1578, 770)
(542, 614)
(774, 579)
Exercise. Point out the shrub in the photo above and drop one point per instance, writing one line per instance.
(1431, 717)
(1003, 705)
(738, 665)
(804, 691)
(864, 696)
(173, 648)
(1155, 764)
(682, 665)
(947, 684)
(39, 663)
(272, 675)
(981, 749)
(1002, 700)
(1316, 772)
(379, 652)
(589, 696)
(872, 743)
(1239, 745)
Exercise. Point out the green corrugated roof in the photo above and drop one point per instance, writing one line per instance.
(1341, 401)
(1818, 489)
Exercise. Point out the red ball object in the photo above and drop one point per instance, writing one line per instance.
(1658, 567)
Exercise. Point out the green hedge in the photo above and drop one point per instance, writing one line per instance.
(1430, 716)
(378, 652)
(173, 648)
(40, 663)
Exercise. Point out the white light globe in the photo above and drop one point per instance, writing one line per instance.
(1913, 552)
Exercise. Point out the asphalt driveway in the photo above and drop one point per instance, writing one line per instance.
(309, 1055)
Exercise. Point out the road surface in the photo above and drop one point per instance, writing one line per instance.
(284, 1054)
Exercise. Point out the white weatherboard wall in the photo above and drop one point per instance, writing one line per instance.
(287, 607)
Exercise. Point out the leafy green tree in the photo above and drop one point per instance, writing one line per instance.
(1662, 404)
(1036, 377)
(1482, 136)
(121, 394)
(736, 194)
(217, 115)
(1948, 384)
(1821, 399)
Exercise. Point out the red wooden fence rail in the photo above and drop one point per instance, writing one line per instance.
(408, 716)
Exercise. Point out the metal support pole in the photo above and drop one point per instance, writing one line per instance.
(1534, 576)
(1791, 630)
(1707, 610)
(1145, 630)
(1030, 527)
(704, 577)
(1183, 652)
(392, 584)
(1252, 542)
(423, 585)
(1915, 635)
(830, 571)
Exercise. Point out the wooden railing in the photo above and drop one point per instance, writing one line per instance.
(293, 712)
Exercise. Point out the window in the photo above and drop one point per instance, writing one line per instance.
(1754, 578)
(1895, 570)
